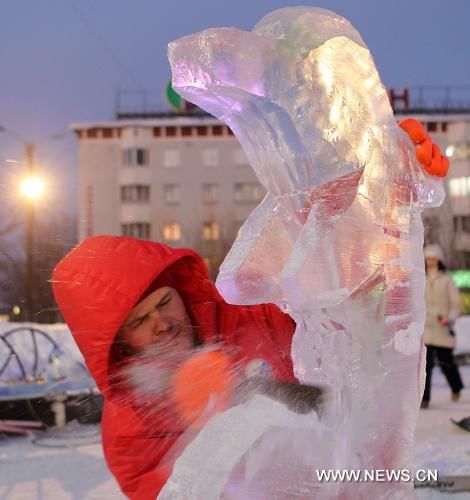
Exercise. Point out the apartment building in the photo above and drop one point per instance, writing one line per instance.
(179, 179)
(445, 112)
(183, 179)
(449, 224)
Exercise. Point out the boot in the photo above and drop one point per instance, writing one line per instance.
(455, 396)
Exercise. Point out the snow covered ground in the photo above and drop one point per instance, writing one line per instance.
(439, 444)
(32, 471)
(29, 471)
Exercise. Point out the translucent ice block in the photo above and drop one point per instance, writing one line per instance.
(337, 242)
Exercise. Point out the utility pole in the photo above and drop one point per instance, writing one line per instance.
(30, 220)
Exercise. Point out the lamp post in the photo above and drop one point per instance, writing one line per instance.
(31, 189)
(30, 216)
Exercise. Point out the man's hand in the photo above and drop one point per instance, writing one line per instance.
(427, 153)
(443, 320)
(206, 377)
(299, 398)
(209, 377)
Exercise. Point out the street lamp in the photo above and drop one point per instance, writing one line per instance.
(32, 188)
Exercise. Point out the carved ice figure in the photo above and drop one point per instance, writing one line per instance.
(337, 241)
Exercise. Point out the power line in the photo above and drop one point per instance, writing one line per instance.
(103, 42)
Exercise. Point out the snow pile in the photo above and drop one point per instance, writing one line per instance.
(462, 335)
(26, 344)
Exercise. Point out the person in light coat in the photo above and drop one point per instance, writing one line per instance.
(442, 309)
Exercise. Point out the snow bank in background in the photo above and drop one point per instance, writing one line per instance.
(23, 344)
(462, 335)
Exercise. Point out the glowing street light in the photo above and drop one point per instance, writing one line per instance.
(32, 187)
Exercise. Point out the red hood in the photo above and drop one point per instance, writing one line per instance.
(98, 283)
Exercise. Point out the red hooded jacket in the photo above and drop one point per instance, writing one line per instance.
(97, 284)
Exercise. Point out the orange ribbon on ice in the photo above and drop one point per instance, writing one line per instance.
(427, 153)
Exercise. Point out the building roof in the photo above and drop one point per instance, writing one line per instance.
(151, 120)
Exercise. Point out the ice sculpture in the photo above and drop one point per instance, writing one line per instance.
(337, 242)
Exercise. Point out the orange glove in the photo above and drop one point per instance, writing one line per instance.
(204, 375)
(427, 153)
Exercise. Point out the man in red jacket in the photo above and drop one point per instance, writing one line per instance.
(121, 296)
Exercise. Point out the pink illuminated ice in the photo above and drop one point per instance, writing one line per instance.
(337, 242)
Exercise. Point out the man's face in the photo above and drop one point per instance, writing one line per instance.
(159, 319)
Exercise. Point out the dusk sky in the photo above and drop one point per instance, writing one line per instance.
(61, 61)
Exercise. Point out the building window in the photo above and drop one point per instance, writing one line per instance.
(462, 223)
(444, 126)
(157, 131)
(210, 157)
(217, 130)
(466, 223)
(171, 158)
(239, 157)
(171, 231)
(201, 131)
(136, 230)
(172, 193)
(210, 231)
(186, 131)
(170, 131)
(141, 156)
(459, 187)
(230, 131)
(92, 133)
(135, 156)
(107, 133)
(135, 193)
(248, 192)
(210, 193)
(431, 126)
